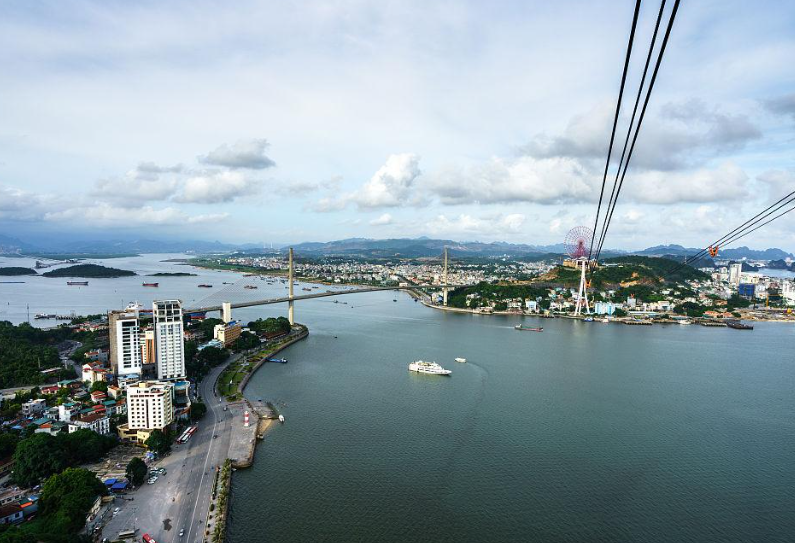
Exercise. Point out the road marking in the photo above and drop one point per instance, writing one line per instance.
(201, 481)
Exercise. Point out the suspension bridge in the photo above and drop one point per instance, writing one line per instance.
(240, 293)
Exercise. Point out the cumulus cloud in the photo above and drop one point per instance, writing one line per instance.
(383, 220)
(782, 105)
(248, 154)
(131, 191)
(391, 186)
(525, 179)
(779, 182)
(392, 183)
(724, 183)
(216, 186)
(680, 135)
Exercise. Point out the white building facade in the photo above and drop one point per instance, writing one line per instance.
(169, 345)
(125, 345)
(150, 405)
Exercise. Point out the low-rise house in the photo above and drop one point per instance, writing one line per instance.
(49, 389)
(97, 422)
(67, 411)
(34, 407)
(10, 513)
(93, 373)
(115, 392)
(52, 428)
(98, 396)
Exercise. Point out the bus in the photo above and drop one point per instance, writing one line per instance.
(126, 534)
(187, 434)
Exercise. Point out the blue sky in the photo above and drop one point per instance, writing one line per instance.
(287, 122)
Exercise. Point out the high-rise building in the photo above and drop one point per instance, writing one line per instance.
(125, 347)
(735, 271)
(148, 353)
(150, 405)
(169, 343)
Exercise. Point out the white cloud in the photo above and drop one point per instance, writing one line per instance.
(779, 182)
(727, 182)
(104, 214)
(383, 220)
(132, 191)
(248, 154)
(391, 185)
(525, 179)
(217, 186)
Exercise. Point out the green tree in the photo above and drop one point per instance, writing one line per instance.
(38, 457)
(197, 410)
(8, 444)
(67, 497)
(159, 441)
(136, 471)
(85, 445)
(101, 386)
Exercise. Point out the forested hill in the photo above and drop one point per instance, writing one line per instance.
(87, 271)
(628, 270)
(25, 351)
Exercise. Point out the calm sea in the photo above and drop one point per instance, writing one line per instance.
(585, 432)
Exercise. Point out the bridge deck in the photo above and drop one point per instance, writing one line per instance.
(285, 299)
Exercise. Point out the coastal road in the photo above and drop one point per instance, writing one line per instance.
(180, 499)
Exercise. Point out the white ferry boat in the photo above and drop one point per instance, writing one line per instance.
(433, 368)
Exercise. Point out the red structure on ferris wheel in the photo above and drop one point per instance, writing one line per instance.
(578, 247)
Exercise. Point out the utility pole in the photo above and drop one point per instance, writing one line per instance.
(290, 310)
(444, 279)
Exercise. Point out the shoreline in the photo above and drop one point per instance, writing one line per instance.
(246, 438)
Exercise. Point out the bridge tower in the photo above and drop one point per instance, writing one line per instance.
(444, 279)
(290, 309)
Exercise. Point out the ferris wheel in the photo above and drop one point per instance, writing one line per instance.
(578, 242)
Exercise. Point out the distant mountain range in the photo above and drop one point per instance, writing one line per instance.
(9, 245)
(383, 248)
(735, 253)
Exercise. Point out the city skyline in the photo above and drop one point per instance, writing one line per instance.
(448, 121)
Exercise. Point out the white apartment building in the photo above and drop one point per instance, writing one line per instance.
(735, 271)
(169, 346)
(96, 422)
(150, 405)
(125, 344)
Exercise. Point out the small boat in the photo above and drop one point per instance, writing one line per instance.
(605, 320)
(278, 360)
(431, 368)
(524, 329)
(685, 322)
(205, 285)
(281, 419)
(588, 319)
(737, 325)
(151, 284)
(250, 287)
(77, 283)
(461, 360)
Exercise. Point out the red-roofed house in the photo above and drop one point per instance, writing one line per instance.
(98, 396)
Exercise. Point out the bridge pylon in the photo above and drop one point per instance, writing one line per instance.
(290, 308)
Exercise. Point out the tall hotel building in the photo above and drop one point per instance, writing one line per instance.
(125, 346)
(150, 406)
(169, 346)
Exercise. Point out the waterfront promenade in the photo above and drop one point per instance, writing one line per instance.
(180, 500)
